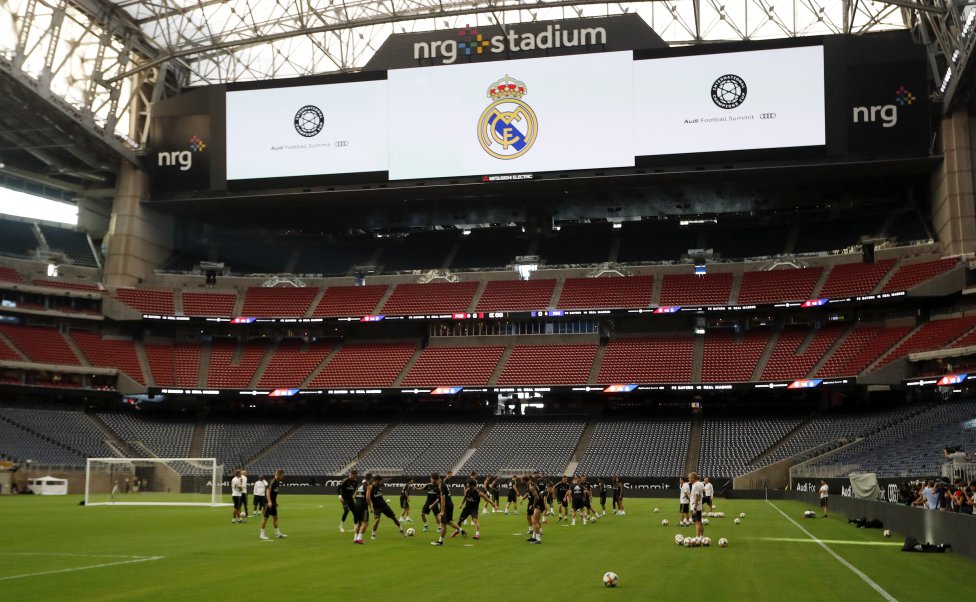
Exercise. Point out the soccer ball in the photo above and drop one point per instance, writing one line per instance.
(688, 541)
(610, 579)
(656, 510)
(737, 521)
(742, 515)
(887, 532)
(723, 543)
(679, 539)
(664, 523)
(704, 521)
(720, 514)
(706, 541)
(592, 519)
(411, 532)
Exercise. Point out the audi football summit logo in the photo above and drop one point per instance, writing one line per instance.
(309, 121)
(729, 91)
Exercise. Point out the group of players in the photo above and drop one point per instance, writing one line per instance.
(265, 500)
(568, 500)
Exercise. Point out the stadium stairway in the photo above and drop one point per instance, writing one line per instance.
(782, 440)
(178, 302)
(197, 437)
(693, 453)
(581, 445)
(766, 354)
(830, 351)
(144, 364)
(601, 351)
(408, 366)
(204, 372)
(382, 302)
(815, 293)
(369, 447)
(474, 445)
(263, 365)
(556, 292)
(310, 312)
(77, 350)
(269, 447)
(698, 359)
(500, 366)
(325, 362)
(476, 297)
(878, 360)
(736, 287)
(239, 305)
(112, 438)
(884, 279)
(14, 348)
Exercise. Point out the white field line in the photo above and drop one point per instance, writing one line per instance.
(839, 542)
(131, 560)
(837, 557)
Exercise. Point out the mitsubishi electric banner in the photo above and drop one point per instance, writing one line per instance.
(529, 115)
(730, 101)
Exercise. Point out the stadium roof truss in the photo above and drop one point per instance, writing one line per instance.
(99, 64)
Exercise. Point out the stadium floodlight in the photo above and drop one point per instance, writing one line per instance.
(153, 482)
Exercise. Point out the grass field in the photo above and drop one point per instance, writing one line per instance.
(53, 549)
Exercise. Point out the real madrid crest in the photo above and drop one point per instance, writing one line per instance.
(508, 127)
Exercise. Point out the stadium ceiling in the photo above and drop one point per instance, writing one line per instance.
(98, 65)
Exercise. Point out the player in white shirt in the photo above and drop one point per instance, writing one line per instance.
(244, 494)
(697, 496)
(684, 491)
(824, 494)
(236, 490)
(260, 490)
(709, 492)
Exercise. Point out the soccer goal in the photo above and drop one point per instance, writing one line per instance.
(153, 482)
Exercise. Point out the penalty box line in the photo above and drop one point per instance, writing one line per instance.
(132, 560)
(837, 556)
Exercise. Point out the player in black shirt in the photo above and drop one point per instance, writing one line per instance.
(561, 501)
(618, 495)
(376, 501)
(360, 509)
(472, 499)
(513, 495)
(578, 494)
(405, 502)
(588, 498)
(346, 490)
(433, 501)
(272, 508)
(536, 508)
(446, 515)
(601, 488)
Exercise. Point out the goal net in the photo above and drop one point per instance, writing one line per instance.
(153, 482)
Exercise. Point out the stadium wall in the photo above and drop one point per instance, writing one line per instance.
(953, 211)
(927, 526)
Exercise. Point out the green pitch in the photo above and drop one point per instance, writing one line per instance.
(53, 549)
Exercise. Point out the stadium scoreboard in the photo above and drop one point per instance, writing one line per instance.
(810, 99)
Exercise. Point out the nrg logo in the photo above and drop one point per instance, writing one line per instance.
(886, 114)
(182, 159)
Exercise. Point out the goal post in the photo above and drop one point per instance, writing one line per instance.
(153, 482)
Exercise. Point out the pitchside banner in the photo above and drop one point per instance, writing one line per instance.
(730, 101)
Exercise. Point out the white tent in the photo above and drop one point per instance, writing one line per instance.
(48, 486)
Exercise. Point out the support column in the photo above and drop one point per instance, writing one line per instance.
(139, 239)
(953, 203)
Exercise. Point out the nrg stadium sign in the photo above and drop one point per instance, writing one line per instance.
(493, 42)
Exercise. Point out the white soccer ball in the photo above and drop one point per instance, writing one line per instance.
(887, 532)
(592, 519)
(610, 579)
(411, 532)
(688, 541)
(243, 514)
(720, 514)
(656, 510)
(742, 515)
(664, 523)
(737, 521)
(723, 543)
(706, 541)
(704, 521)
(679, 539)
